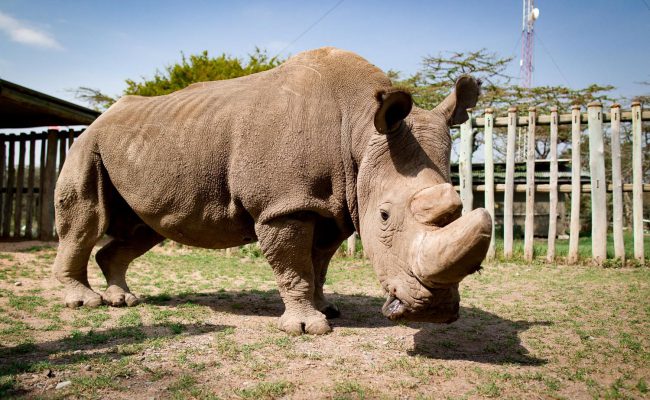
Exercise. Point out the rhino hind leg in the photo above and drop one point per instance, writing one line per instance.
(287, 245)
(114, 259)
(81, 220)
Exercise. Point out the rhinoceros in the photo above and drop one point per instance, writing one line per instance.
(296, 158)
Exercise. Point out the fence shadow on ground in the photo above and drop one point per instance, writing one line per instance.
(478, 335)
(85, 347)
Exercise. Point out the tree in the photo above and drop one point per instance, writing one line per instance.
(195, 68)
(439, 73)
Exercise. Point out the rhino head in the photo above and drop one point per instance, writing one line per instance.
(410, 215)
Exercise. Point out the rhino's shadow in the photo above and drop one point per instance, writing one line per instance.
(86, 347)
(478, 335)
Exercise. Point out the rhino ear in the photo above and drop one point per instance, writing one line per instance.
(465, 95)
(394, 106)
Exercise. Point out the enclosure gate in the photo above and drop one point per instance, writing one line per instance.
(29, 166)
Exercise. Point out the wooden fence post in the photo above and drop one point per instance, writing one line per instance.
(574, 228)
(352, 245)
(47, 190)
(70, 138)
(465, 164)
(529, 230)
(11, 176)
(2, 182)
(510, 183)
(552, 211)
(637, 182)
(63, 146)
(30, 186)
(41, 185)
(489, 176)
(598, 182)
(617, 183)
(20, 183)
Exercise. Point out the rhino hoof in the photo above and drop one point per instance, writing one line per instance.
(118, 297)
(82, 297)
(316, 325)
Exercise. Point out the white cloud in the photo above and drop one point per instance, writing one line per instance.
(19, 32)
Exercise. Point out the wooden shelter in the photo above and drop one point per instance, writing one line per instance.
(30, 162)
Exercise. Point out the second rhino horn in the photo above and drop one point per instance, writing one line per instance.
(436, 205)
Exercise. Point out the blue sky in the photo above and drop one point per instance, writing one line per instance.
(54, 46)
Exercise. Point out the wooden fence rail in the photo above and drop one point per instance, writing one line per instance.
(29, 166)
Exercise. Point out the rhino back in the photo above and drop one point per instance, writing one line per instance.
(209, 160)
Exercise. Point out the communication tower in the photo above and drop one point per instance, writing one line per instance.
(530, 15)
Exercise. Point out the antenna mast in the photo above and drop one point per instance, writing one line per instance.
(530, 15)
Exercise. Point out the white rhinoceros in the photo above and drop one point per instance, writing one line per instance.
(297, 158)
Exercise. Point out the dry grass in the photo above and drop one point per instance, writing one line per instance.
(207, 330)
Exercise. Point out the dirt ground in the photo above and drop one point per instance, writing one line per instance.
(206, 330)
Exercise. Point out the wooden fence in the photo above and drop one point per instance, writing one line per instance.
(30, 163)
(595, 119)
(29, 166)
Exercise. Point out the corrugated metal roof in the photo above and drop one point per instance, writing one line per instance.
(21, 107)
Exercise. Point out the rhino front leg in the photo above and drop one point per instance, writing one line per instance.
(321, 259)
(287, 245)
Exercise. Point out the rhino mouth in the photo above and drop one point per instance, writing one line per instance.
(397, 310)
(438, 307)
(393, 308)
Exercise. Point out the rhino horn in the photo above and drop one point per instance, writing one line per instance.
(436, 205)
(465, 95)
(448, 254)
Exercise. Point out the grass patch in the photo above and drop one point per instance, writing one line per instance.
(348, 389)
(266, 390)
(26, 303)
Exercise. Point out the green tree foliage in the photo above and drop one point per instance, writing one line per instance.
(436, 79)
(195, 68)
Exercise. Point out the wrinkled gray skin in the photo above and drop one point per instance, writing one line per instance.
(296, 158)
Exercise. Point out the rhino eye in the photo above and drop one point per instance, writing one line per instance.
(384, 215)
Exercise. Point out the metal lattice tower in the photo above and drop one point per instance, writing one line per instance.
(530, 15)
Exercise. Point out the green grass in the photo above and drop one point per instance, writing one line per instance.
(207, 329)
(348, 389)
(266, 390)
(540, 247)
